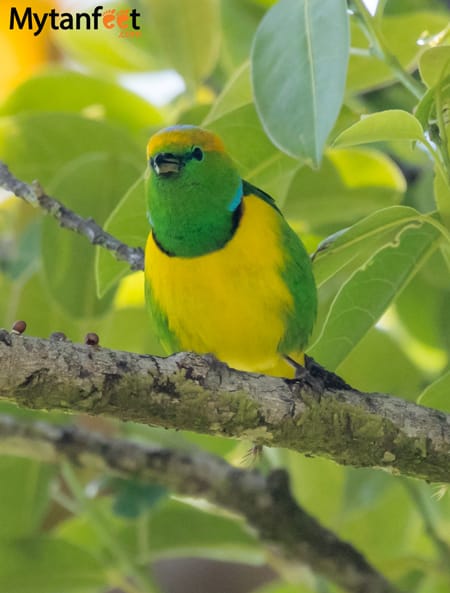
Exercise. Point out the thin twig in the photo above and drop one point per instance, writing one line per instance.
(379, 48)
(36, 196)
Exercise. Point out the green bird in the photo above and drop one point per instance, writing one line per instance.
(225, 274)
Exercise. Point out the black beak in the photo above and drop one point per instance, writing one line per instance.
(166, 163)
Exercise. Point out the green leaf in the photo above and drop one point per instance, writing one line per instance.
(364, 297)
(127, 222)
(351, 184)
(39, 145)
(299, 66)
(434, 65)
(363, 487)
(362, 240)
(90, 186)
(209, 535)
(400, 375)
(237, 93)
(310, 484)
(425, 107)
(190, 48)
(24, 497)
(429, 293)
(393, 124)
(47, 565)
(162, 533)
(437, 395)
(393, 512)
(74, 92)
(115, 327)
(239, 23)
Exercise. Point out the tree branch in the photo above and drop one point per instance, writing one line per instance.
(199, 393)
(35, 195)
(265, 502)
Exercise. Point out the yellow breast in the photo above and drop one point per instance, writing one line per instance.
(231, 302)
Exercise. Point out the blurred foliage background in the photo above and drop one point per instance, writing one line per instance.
(286, 90)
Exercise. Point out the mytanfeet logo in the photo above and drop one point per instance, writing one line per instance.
(124, 21)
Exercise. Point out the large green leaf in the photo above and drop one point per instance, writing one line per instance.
(364, 297)
(359, 242)
(74, 92)
(239, 22)
(394, 124)
(24, 497)
(299, 66)
(188, 35)
(351, 184)
(39, 145)
(91, 186)
(47, 565)
(437, 395)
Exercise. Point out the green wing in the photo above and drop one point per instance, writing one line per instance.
(298, 275)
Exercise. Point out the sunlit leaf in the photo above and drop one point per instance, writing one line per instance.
(394, 124)
(74, 92)
(299, 65)
(190, 49)
(364, 297)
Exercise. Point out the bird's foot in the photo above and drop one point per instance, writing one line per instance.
(329, 379)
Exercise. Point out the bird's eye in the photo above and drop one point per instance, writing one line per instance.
(197, 153)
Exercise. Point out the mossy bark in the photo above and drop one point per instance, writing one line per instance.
(198, 393)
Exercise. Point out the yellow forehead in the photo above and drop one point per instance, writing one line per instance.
(183, 137)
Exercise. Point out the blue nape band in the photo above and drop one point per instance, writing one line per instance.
(237, 198)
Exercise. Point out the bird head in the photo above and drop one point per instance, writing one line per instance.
(194, 191)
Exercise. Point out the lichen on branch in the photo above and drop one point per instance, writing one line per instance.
(191, 392)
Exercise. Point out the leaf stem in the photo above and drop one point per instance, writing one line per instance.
(380, 49)
(127, 566)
